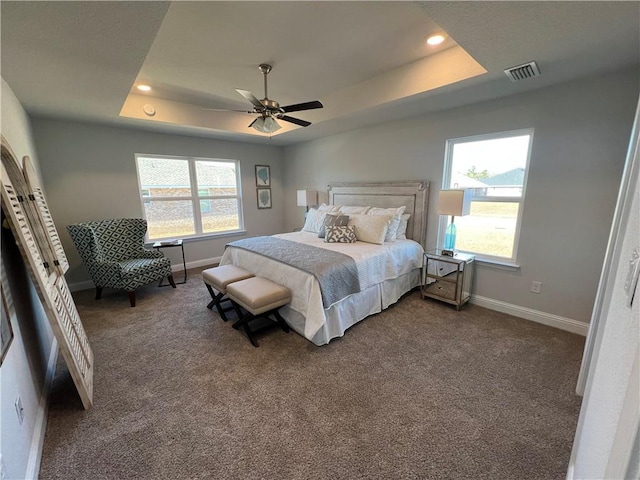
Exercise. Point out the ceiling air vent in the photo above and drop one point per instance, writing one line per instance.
(522, 72)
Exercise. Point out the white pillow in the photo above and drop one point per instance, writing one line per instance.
(395, 214)
(328, 208)
(349, 210)
(370, 228)
(402, 228)
(314, 221)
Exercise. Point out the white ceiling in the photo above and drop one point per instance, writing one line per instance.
(366, 61)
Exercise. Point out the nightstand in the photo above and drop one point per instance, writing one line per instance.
(446, 278)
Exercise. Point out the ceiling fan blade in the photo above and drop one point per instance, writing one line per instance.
(226, 110)
(298, 107)
(251, 97)
(297, 121)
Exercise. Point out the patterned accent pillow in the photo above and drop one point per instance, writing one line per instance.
(396, 214)
(340, 234)
(333, 220)
(371, 228)
(314, 221)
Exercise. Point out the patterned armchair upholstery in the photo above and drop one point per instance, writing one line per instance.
(114, 254)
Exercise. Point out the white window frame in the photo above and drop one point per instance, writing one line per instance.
(194, 197)
(446, 179)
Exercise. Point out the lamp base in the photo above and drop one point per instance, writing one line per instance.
(448, 253)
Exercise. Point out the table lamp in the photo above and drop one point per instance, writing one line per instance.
(455, 203)
(306, 198)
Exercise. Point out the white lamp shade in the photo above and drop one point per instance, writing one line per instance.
(454, 202)
(307, 198)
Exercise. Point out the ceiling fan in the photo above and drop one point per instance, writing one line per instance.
(270, 110)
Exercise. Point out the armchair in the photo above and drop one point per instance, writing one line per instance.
(114, 254)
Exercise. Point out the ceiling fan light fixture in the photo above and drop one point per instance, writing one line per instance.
(266, 125)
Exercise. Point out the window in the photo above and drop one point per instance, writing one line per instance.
(189, 197)
(494, 167)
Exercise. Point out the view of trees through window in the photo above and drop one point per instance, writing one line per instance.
(185, 197)
(494, 168)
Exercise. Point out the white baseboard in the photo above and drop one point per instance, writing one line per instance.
(84, 285)
(196, 263)
(37, 440)
(88, 284)
(563, 323)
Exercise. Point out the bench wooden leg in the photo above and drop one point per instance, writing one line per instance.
(239, 314)
(216, 301)
(170, 278)
(250, 335)
(281, 321)
(98, 293)
(213, 296)
(245, 319)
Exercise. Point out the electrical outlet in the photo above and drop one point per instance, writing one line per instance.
(536, 287)
(19, 410)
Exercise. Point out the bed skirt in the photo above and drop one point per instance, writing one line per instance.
(355, 308)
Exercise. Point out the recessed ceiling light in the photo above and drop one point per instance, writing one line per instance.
(144, 88)
(435, 39)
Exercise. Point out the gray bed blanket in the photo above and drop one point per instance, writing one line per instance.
(336, 272)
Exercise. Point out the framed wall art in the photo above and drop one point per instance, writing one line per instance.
(263, 176)
(264, 197)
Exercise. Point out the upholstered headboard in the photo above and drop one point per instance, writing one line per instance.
(413, 195)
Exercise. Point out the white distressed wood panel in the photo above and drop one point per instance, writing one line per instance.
(12, 204)
(36, 195)
(49, 282)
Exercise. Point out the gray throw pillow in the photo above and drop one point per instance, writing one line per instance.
(333, 221)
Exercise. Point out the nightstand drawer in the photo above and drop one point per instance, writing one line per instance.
(441, 288)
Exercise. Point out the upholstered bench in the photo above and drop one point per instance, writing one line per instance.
(260, 298)
(219, 278)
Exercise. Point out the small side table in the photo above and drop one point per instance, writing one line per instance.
(446, 278)
(173, 243)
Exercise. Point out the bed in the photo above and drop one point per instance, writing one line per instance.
(386, 272)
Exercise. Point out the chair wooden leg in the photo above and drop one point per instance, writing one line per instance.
(98, 293)
(170, 278)
(132, 298)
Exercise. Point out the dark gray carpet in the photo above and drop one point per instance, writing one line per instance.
(418, 391)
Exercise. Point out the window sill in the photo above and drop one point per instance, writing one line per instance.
(199, 238)
(498, 265)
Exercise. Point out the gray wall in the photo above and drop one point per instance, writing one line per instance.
(581, 135)
(89, 173)
(24, 369)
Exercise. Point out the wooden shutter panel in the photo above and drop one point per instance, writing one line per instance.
(36, 195)
(30, 234)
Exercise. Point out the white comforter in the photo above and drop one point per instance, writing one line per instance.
(376, 264)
